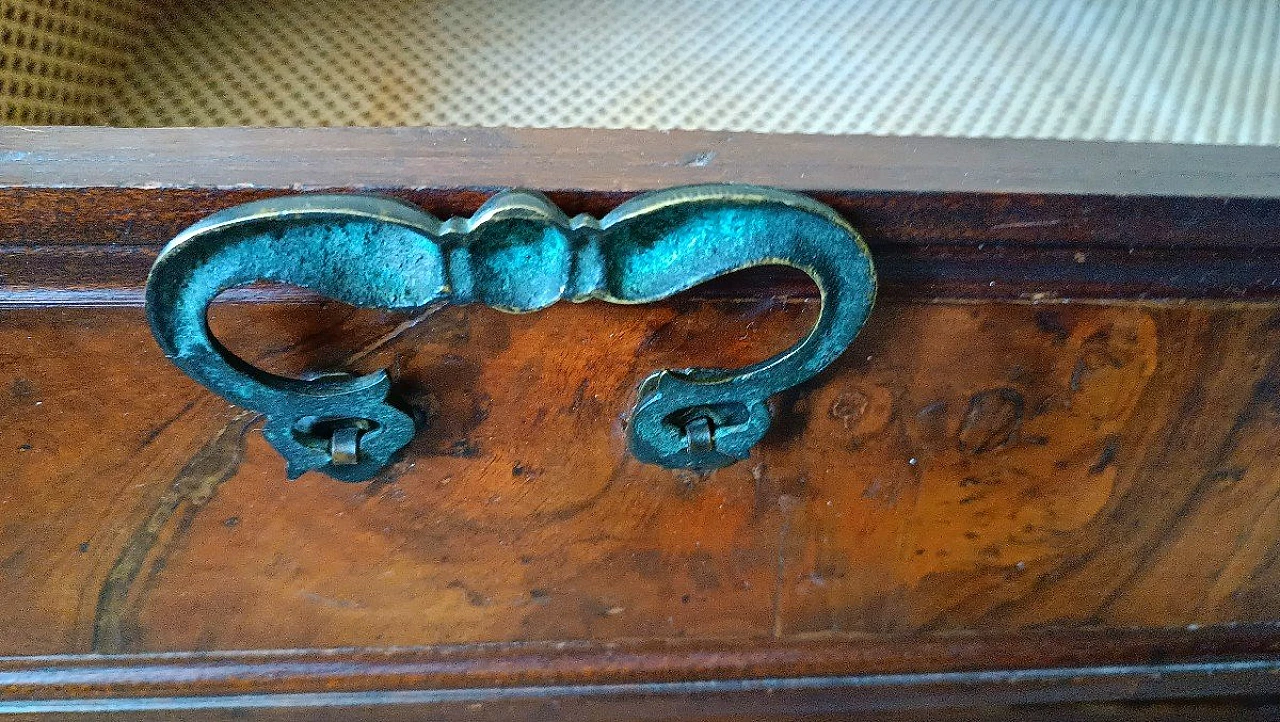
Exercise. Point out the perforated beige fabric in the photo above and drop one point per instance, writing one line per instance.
(1192, 71)
(58, 58)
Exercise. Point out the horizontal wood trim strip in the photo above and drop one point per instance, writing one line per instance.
(762, 697)
(990, 658)
(619, 160)
(150, 217)
(92, 275)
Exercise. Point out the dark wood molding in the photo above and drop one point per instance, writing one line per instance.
(759, 698)
(100, 275)
(672, 680)
(84, 210)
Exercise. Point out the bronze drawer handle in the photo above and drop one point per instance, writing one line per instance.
(518, 253)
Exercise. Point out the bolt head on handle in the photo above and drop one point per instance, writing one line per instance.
(350, 437)
(680, 423)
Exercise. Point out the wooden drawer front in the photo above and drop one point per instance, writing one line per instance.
(1043, 473)
(994, 467)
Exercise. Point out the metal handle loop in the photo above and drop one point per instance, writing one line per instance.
(518, 253)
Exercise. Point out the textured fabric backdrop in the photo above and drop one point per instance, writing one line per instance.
(1192, 71)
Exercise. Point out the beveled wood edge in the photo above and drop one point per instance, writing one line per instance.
(957, 668)
(758, 697)
(619, 160)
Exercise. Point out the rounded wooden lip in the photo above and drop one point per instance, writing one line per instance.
(620, 161)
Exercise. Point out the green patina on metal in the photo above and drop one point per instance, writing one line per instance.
(518, 253)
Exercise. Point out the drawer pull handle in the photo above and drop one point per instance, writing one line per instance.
(518, 253)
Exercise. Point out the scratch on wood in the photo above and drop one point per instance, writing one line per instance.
(395, 333)
(787, 504)
(1026, 224)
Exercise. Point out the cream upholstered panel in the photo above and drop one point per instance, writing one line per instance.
(59, 58)
(1193, 71)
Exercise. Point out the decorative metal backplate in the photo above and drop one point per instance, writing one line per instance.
(518, 253)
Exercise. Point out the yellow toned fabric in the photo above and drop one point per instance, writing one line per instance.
(1186, 71)
(59, 58)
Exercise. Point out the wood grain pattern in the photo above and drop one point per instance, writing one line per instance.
(994, 467)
